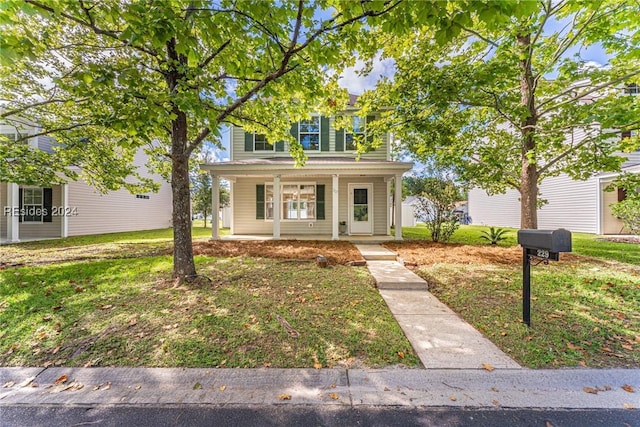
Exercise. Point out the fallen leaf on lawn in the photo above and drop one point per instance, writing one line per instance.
(55, 350)
(284, 396)
(47, 363)
(197, 386)
(452, 398)
(627, 347)
(334, 396)
(133, 322)
(106, 307)
(193, 332)
(488, 367)
(628, 388)
(401, 354)
(628, 406)
(317, 365)
(590, 390)
(61, 379)
(503, 333)
(582, 363)
(223, 387)
(607, 349)
(573, 346)
(8, 384)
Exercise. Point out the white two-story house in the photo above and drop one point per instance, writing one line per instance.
(333, 194)
(29, 212)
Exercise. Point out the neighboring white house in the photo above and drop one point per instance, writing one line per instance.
(270, 196)
(75, 208)
(580, 206)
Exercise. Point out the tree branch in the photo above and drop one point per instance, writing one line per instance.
(582, 95)
(91, 25)
(213, 55)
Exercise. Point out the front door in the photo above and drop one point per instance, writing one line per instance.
(360, 208)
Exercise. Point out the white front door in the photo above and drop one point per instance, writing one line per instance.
(361, 208)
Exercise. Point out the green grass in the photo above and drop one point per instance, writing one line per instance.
(585, 308)
(256, 312)
(583, 244)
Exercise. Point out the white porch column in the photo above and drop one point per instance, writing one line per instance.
(277, 204)
(398, 197)
(13, 214)
(64, 201)
(334, 208)
(215, 207)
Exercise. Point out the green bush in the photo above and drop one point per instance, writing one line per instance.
(629, 212)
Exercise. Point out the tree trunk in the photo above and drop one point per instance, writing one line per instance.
(183, 264)
(529, 172)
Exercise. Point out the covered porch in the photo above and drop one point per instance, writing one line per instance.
(327, 198)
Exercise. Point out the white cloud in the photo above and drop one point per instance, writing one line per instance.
(352, 80)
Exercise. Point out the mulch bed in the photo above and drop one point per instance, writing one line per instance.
(429, 253)
(335, 252)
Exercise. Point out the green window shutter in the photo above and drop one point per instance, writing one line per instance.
(320, 201)
(20, 203)
(324, 133)
(248, 141)
(260, 201)
(294, 131)
(280, 146)
(370, 137)
(47, 202)
(339, 139)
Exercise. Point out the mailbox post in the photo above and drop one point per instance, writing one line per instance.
(543, 245)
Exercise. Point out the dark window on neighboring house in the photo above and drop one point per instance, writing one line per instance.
(622, 194)
(632, 89)
(142, 196)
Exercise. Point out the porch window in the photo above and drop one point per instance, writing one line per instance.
(32, 204)
(358, 134)
(298, 201)
(10, 136)
(260, 143)
(309, 133)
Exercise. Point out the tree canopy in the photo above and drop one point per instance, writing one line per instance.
(512, 104)
(110, 78)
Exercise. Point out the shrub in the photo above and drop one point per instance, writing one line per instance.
(628, 211)
(494, 235)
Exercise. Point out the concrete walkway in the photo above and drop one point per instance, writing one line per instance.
(439, 336)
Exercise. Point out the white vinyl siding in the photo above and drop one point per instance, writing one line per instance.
(238, 152)
(119, 210)
(571, 205)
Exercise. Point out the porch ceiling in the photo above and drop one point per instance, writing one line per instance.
(313, 166)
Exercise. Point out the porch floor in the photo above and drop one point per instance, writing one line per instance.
(354, 238)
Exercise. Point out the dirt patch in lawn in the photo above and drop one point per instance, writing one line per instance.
(335, 252)
(625, 239)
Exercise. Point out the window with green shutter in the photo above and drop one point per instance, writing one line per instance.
(320, 201)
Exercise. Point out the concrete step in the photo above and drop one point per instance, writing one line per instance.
(376, 253)
(393, 275)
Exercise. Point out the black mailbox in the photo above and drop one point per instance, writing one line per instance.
(545, 244)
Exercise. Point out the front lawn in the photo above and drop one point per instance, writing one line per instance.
(585, 308)
(121, 309)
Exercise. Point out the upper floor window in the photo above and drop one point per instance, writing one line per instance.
(359, 125)
(260, 143)
(632, 89)
(10, 136)
(309, 133)
(32, 204)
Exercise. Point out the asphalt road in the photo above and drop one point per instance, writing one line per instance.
(281, 415)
